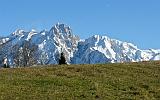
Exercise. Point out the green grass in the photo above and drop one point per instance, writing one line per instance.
(128, 81)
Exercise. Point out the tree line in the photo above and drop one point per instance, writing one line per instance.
(25, 55)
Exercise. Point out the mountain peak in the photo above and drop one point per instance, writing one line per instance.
(33, 30)
(18, 32)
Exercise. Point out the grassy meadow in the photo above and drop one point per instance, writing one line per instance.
(127, 81)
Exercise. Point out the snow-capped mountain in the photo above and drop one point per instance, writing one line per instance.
(49, 43)
(102, 49)
(60, 38)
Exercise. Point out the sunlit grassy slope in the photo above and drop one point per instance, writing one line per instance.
(128, 81)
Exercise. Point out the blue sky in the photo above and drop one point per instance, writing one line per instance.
(135, 21)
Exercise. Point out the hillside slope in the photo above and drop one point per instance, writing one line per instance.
(128, 81)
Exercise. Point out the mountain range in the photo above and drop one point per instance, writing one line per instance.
(60, 38)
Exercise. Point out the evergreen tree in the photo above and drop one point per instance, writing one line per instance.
(62, 59)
